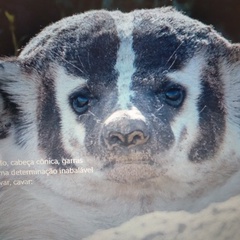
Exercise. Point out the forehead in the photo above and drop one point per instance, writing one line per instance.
(87, 45)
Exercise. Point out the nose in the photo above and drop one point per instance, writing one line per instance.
(130, 139)
(125, 129)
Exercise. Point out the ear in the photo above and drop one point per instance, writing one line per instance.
(17, 89)
(231, 76)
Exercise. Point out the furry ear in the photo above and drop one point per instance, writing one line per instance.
(231, 76)
(5, 120)
(9, 73)
(17, 88)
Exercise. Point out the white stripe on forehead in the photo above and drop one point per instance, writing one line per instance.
(125, 59)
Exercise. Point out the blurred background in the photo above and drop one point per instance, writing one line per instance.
(20, 20)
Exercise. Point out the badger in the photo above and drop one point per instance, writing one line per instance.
(106, 115)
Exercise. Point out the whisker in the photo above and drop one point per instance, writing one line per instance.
(84, 70)
(89, 61)
(173, 54)
(68, 62)
(158, 109)
(203, 109)
(172, 63)
(97, 119)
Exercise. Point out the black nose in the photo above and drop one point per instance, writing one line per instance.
(122, 130)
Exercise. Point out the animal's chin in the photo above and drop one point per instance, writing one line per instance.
(128, 172)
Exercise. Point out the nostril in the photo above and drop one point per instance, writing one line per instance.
(116, 138)
(136, 138)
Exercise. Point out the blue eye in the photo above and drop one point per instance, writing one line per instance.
(174, 96)
(80, 103)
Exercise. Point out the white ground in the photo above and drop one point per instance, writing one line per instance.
(218, 221)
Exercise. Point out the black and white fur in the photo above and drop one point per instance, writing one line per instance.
(149, 99)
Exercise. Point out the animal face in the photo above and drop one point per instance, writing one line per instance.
(147, 97)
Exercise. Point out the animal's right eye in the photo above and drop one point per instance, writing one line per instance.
(80, 101)
(174, 96)
(80, 104)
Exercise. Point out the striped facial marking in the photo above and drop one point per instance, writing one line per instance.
(125, 59)
(49, 121)
(70, 126)
(112, 61)
(188, 118)
(86, 71)
(212, 113)
(203, 115)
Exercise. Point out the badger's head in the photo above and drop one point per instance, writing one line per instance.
(150, 96)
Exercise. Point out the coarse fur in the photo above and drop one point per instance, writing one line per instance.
(148, 102)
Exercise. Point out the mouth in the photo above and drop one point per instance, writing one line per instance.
(114, 163)
(130, 171)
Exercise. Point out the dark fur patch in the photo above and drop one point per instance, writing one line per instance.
(4, 131)
(166, 43)
(86, 50)
(211, 114)
(49, 123)
(10, 114)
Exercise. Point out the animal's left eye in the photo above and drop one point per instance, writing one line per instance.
(174, 96)
(80, 102)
